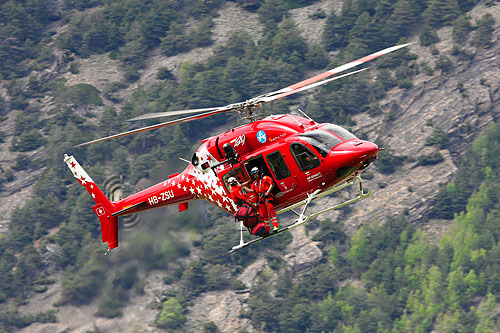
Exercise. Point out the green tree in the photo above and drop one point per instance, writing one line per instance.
(132, 54)
(358, 252)
(265, 310)
(403, 17)
(336, 31)
(456, 290)
(332, 37)
(194, 278)
(444, 64)
(84, 94)
(164, 74)
(438, 138)
(271, 12)
(175, 41)
(327, 313)
(171, 315)
(366, 31)
(461, 29)
(82, 285)
(316, 57)
(486, 312)
(440, 12)
(202, 34)
(484, 31)
(428, 36)
(297, 319)
(27, 141)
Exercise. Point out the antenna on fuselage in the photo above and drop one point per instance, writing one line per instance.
(304, 114)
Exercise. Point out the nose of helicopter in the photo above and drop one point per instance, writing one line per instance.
(357, 148)
(350, 156)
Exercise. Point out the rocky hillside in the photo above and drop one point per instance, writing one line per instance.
(462, 102)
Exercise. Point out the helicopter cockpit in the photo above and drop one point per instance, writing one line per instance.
(322, 141)
(326, 137)
(340, 131)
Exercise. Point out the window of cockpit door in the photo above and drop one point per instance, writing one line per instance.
(305, 158)
(278, 166)
(236, 173)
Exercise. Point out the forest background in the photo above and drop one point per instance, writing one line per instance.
(388, 275)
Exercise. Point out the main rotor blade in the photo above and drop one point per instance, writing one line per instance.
(334, 71)
(168, 123)
(171, 113)
(294, 88)
(275, 97)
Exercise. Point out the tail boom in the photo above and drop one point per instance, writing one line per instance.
(179, 189)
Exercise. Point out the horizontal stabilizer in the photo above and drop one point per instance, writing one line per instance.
(183, 206)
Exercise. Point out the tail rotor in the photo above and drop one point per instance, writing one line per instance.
(114, 191)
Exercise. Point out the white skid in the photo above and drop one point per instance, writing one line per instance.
(303, 218)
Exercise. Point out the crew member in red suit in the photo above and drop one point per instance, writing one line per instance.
(262, 186)
(236, 194)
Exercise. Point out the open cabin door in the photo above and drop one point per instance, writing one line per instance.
(274, 165)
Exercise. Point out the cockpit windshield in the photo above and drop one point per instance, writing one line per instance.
(342, 132)
(322, 141)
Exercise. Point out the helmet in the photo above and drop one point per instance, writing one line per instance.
(254, 171)
(232, 181)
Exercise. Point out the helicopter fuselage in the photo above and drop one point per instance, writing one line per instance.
(299, 154)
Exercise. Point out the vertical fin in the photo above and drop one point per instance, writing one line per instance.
(103, 208)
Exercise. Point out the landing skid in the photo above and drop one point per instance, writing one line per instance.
(302, 217)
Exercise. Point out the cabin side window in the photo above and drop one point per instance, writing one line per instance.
(236, 173)
(305, 158)
(278, 165)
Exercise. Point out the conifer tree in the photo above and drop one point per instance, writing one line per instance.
(440, 12)
(484, 31)
(461, 29)
(403, 17)
(366, 31)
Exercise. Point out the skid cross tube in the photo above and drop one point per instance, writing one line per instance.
(302, 218)
(320, 195)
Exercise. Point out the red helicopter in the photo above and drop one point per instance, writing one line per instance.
(305, 159)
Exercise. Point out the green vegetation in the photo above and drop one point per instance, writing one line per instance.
(461, 30)
(22, 34)
(484, 32)
(399, 280)
(117, 292)
(443, 63)
(387, 277)
(83, 283)
(430, 159)
(13, 319)
(480, 162)
(171, 315)
(428, 37)
(387, 161)
(438, 138)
